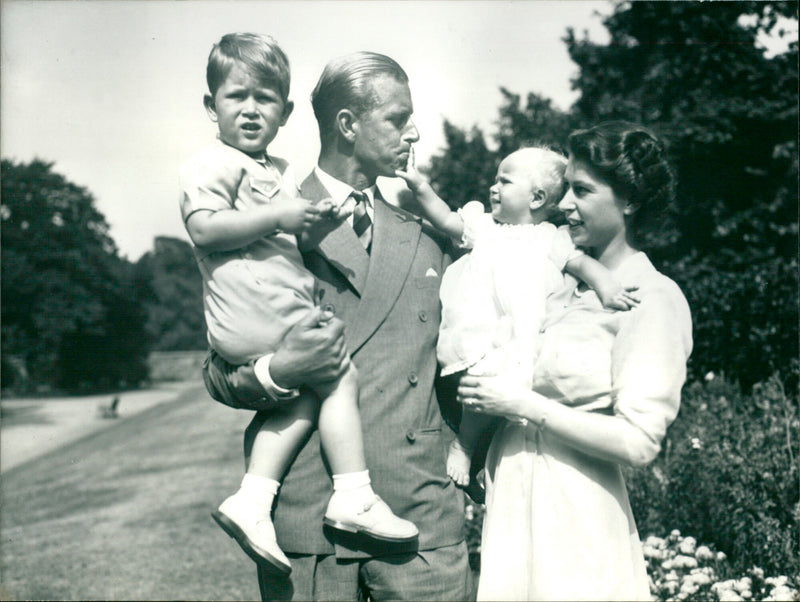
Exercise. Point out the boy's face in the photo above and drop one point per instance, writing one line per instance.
(247, 111)
(512, 193)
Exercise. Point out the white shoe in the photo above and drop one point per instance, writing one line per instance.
(373, 519)
(253, 531)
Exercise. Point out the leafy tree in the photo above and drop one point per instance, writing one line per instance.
(695, 73)
(71, 316)
(172, 293)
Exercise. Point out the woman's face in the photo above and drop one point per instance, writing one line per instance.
(595, 214)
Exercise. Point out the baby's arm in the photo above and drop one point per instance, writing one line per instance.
(612, 294)
(227, 229)
(435, 209)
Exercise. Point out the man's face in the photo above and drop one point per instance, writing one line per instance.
(385, 133)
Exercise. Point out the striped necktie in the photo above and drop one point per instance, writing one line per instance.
(362, 224)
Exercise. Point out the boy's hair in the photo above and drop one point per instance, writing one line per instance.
(259, 54)
(346, 82)
(547, 170)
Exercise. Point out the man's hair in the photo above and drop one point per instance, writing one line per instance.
(259, 54)
(346, 83)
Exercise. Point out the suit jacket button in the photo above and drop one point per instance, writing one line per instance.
(412, 378)
(330, 307)
(423, 317)
(411, 436)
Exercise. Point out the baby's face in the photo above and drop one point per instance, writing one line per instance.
(512, 192)
(248, 111)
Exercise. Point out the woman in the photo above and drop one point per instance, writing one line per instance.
(606, 386)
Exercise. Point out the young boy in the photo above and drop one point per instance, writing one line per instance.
(242, 211)
(493, 298)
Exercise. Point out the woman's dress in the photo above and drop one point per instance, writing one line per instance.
(558, 524)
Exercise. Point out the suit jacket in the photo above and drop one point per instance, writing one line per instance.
(389, 302)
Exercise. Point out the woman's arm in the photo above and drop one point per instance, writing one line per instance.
(648, 369)
(611, 438)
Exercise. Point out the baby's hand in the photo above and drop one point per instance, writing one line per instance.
(295, 215)
(328, 210)
(620, 298)
(412, 177)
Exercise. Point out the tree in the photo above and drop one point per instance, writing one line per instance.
(71, 316)
(172, 292)
(695, 73)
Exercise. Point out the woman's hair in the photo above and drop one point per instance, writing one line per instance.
(259, 54)
(346, 83)
(632, 160)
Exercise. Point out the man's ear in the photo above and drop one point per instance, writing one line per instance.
(347, 124)
(288, 107)
(211, 109)
(538, 199)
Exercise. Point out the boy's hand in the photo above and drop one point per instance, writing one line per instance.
(295, 215)
(619, 298)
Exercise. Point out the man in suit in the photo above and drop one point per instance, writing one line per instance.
(379, 273)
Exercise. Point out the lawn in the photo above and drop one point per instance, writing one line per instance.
(125, 513)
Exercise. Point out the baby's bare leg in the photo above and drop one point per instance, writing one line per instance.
(459, 456)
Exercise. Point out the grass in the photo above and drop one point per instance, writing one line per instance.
(124, 514)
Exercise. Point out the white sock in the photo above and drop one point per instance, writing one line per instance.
(355, 484)
(262, 490)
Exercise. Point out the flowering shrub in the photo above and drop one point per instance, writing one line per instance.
(679, 569)
(729, 473)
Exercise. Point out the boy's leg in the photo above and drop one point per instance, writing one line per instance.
(246, 515)
(353, 507)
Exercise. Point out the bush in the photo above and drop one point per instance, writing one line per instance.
(729, 473)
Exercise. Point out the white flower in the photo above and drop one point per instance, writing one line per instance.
(685, 562)
(689, 544)
(709, 376)
(696, 443)
(777, 581)
(704, 553)
(729, 596)
(757, 572)
(721, 556)
(743, 585)
(675, 533)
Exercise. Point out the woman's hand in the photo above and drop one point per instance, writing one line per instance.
(493, 394)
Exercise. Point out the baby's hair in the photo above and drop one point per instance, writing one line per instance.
(258, 53)
(548, 172)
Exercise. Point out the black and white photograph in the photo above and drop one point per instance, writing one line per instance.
(378, 300)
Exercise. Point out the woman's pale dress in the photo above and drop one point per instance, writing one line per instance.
(558, 524)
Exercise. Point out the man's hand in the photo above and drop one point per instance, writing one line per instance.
(312, 352)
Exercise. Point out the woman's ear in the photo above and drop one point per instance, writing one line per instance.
(630, 208)
(538, 199)
(347, 124)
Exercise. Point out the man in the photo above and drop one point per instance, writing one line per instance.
(380, 276)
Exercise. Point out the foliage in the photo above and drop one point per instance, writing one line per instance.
(729, 473)
(679, 569)
(172, 294)
(695, 73)
(71, 316)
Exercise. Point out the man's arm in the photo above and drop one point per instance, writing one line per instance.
(312, 352)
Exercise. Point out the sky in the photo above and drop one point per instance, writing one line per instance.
(111, 91)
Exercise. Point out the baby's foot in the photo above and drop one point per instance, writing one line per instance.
(459, 459)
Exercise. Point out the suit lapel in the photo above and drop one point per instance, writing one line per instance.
(394, 244)
(341, 247)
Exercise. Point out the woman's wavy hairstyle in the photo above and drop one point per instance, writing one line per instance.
(632, 160)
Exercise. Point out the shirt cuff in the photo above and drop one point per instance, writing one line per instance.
(278, 393)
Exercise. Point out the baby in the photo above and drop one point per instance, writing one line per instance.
(493, 298)
(242, 211)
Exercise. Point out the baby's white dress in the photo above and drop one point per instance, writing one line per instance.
(493, 298)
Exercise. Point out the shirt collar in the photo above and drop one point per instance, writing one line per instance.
(339, 190)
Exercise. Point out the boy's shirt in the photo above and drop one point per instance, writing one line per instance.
(237, 283)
